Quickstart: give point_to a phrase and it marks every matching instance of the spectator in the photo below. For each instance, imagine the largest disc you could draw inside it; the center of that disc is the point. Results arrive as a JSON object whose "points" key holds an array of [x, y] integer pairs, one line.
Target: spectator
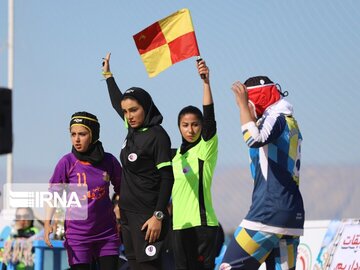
{"points": [[16, 249]]}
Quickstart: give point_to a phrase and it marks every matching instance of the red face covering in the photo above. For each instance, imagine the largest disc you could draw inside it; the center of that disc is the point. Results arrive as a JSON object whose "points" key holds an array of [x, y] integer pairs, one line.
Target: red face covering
{"points": [[262, 96]]}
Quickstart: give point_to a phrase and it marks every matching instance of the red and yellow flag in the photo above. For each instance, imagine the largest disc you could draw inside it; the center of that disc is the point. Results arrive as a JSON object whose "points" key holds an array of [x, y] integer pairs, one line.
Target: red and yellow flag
{"points": [[167, 42]]}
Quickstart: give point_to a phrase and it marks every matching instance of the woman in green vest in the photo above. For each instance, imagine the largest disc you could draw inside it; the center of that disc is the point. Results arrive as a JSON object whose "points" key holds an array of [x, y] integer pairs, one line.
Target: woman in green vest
{"points": [[195, 225]]}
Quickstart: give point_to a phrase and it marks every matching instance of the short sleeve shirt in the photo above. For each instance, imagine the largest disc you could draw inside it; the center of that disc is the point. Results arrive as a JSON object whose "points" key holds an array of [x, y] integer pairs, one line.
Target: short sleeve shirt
{"points": [[70, 170]]}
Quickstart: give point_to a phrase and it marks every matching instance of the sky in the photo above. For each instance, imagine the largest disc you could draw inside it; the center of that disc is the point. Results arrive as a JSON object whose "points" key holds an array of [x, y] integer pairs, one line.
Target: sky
{"points": [[311, 48]]}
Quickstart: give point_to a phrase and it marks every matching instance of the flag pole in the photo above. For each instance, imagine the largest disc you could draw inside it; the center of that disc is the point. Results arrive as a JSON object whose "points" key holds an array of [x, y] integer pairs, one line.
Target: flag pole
{"points": [[9, 167]]}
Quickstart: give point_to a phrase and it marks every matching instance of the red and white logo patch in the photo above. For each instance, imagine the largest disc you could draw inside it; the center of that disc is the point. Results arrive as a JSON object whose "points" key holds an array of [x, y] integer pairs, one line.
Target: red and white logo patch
{"points": [[132, 157], [150, 250]]}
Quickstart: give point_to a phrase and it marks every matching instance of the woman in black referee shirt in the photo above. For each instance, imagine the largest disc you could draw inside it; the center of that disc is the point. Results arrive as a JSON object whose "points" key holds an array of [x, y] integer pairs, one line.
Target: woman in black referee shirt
{"points": [[147, 174]]}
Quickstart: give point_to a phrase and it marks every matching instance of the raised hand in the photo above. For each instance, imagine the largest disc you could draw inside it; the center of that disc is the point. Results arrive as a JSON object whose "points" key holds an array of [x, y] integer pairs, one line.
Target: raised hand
{"points": [[106, 66]]}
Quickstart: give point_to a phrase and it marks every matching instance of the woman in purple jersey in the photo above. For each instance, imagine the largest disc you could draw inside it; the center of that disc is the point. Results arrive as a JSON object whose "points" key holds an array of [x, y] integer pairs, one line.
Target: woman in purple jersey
{"points": [[95, 237]]}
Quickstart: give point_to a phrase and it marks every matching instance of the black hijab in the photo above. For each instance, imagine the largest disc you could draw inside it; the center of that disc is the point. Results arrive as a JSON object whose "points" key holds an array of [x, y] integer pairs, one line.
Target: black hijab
{"points": [[95, 152], [185, 146], [152, 115]]}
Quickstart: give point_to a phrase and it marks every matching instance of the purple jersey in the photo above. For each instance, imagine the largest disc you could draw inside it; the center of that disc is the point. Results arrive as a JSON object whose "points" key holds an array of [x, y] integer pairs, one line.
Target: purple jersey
{"points": [[101, 222]]}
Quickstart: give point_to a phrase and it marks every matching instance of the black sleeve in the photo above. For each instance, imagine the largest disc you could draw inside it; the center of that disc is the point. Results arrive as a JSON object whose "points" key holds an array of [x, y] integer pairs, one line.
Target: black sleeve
{"points": [[173, 152], [167, 181], [115, 95], [209, 123]]}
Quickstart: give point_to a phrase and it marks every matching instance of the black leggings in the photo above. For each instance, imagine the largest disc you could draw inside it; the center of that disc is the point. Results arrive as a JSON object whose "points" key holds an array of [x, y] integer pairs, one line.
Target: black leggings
{"points": [[101, 263], [150, 265]]}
